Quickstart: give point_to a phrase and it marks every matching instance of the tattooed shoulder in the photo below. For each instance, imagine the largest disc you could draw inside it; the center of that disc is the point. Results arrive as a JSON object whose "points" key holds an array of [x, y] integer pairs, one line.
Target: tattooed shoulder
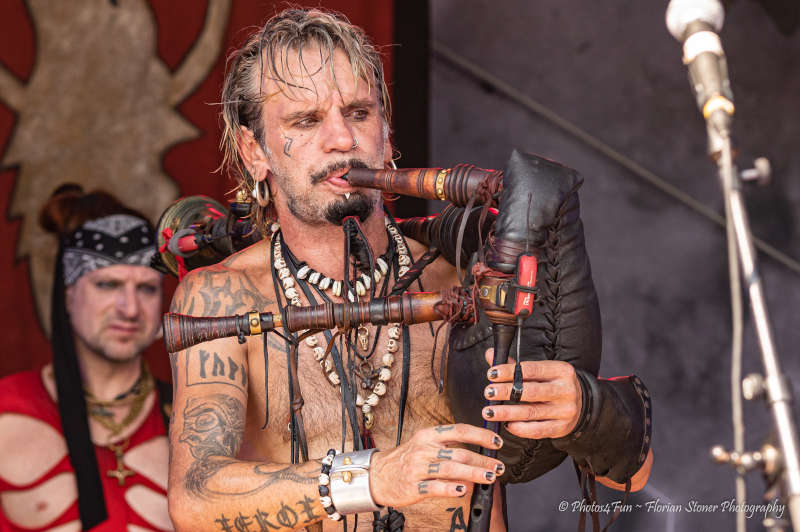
{"points": [[218, 291]]}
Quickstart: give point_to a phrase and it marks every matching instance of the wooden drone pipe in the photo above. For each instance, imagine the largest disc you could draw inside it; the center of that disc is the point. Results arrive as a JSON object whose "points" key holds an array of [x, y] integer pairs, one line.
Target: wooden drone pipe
{"points": [[456, 185], [181, 331]]}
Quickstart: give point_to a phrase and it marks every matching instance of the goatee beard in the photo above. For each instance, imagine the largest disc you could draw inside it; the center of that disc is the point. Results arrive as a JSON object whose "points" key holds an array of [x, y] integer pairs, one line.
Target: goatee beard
{"points": [[358, 204]]}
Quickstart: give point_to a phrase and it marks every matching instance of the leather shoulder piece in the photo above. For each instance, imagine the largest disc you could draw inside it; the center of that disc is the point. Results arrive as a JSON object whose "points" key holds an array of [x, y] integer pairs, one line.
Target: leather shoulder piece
{"points": [[615, 430]]}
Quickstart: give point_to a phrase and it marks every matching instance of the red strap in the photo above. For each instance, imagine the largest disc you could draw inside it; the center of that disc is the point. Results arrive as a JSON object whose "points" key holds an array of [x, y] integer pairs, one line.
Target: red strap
{"points": [[167, 234]]}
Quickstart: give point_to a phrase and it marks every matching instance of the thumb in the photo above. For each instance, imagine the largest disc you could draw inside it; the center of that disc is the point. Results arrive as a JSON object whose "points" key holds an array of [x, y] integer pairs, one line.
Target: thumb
{"points": [[489, 356]]}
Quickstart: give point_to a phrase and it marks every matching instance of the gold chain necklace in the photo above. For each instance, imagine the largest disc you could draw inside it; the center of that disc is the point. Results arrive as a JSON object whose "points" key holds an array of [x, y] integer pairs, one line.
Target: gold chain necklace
{"points": [[136, 396]]}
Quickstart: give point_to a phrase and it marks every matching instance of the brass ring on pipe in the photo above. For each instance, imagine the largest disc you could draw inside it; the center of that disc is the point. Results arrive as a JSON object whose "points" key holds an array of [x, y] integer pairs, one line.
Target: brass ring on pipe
{"points": [[254, 320], [439, 184]]}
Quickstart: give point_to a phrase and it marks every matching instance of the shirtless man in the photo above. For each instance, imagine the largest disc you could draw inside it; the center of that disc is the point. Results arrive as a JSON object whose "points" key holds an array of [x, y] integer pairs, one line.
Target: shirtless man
{"points": [[317, 108], [83, 440]]}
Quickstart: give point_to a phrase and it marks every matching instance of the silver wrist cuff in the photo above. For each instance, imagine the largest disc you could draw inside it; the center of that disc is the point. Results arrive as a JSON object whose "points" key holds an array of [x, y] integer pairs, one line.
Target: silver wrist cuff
{"points": [[349, 486]]}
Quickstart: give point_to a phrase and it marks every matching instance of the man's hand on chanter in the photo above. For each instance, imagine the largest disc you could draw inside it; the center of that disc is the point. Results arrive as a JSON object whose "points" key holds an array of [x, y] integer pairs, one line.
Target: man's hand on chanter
{"points": [[426, 467], [551, 400]]}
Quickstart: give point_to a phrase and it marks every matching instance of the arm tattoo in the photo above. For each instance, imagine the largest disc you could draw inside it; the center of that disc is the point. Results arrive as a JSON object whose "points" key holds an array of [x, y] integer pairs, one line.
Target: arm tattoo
{"points": [[260, 521], [213, 428], [203, 367], [218, 292], [173, 364]]}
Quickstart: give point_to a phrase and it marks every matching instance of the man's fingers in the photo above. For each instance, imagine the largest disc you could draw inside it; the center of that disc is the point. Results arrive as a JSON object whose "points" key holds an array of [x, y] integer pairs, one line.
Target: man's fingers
{"points": [[489, 354], [441, 488], [467, 457], [532, 392], [538, 430], [461, 433], [531, 412], [532, 370], [458, 472]]}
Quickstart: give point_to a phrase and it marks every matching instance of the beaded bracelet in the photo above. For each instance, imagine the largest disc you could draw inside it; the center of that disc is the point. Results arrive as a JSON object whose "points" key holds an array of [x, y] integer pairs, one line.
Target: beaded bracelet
{"points": [[324, 486]]}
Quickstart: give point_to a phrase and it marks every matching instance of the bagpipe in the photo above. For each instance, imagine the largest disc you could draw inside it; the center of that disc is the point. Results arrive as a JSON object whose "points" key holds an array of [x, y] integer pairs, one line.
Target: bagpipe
{"points": [[518, 238]]}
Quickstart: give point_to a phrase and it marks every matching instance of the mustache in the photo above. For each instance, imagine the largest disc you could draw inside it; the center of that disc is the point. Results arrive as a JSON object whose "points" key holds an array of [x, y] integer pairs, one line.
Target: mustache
{"points": [[321, 175]]}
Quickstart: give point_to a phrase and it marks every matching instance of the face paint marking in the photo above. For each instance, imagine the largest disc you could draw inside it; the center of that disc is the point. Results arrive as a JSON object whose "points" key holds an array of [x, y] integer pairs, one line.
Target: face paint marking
{"points": [[287, 146]]}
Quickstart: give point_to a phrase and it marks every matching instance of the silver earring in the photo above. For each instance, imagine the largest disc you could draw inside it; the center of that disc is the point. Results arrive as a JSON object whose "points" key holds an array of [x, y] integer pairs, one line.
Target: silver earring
{"points": [[261, 197], [355, 143]]}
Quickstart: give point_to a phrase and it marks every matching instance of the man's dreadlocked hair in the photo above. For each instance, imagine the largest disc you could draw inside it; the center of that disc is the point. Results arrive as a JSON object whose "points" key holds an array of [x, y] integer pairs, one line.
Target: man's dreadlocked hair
{"points": [[266, 55]]}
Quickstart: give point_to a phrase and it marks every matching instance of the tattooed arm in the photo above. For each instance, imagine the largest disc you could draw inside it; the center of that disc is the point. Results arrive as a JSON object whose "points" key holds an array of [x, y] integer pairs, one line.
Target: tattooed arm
{"points": [[209, 488]]}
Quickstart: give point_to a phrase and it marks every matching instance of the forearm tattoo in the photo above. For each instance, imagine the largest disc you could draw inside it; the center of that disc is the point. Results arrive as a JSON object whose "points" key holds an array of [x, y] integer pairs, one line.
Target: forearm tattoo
{"points": [[260, 521]]}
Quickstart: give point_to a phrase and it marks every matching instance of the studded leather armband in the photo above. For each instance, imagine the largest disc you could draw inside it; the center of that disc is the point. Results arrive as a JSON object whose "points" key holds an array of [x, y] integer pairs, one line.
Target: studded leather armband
{"points": [[615, 429]]}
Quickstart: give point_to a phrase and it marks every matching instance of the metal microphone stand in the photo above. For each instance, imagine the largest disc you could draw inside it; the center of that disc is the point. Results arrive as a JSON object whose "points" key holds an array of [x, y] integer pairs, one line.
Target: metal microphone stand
{"points": [[774, 386]]}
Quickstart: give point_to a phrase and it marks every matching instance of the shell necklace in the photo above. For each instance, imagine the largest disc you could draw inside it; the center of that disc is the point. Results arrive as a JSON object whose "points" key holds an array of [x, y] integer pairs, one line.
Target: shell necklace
{"points": [[375, 386]]}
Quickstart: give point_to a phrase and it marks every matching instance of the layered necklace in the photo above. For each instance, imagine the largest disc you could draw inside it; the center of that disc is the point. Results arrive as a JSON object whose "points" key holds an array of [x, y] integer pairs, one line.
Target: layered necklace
{"points": [[98, 410], [134, 397], [373, 380]]}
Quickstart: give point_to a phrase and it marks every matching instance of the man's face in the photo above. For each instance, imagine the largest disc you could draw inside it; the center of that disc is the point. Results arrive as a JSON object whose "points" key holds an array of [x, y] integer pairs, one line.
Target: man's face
{"points": [[115, 311], [311, 129]]}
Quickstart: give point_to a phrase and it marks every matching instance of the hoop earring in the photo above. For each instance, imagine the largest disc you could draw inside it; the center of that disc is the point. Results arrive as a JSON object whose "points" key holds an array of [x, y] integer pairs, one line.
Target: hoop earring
{"points": [[262, 198]]}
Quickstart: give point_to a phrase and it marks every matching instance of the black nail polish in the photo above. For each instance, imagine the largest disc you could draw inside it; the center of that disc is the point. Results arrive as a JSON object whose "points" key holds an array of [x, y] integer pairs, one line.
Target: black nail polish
{"points": [[492, 373], [488, 412], [489, 476], [499, 468], [461, 489], [490, 392], [498, 441]]}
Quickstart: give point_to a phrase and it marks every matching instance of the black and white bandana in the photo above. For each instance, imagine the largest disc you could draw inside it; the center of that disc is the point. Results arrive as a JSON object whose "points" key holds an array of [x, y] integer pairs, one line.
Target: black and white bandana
{"points": [[103, 242]]}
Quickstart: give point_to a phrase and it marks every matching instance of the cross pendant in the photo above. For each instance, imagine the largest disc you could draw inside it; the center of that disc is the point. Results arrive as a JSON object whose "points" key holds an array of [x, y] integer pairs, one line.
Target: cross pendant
{"points": [[120, 473]]}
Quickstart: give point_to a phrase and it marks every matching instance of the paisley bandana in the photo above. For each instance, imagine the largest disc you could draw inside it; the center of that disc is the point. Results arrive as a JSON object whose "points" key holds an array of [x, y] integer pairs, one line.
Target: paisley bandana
{"points": [[115, 239]]}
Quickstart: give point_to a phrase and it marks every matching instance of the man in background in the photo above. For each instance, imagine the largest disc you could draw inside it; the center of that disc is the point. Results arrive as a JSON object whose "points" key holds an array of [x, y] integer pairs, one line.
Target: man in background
{"points": [[83, 441]]}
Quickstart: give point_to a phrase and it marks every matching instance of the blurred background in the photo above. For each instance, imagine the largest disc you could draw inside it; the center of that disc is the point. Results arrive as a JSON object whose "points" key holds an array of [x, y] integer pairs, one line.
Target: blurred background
{"points": [[123, 94]]}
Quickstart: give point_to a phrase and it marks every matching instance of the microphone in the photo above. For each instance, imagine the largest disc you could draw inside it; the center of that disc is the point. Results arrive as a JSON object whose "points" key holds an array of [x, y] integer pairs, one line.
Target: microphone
{"points": [[695, 23]]}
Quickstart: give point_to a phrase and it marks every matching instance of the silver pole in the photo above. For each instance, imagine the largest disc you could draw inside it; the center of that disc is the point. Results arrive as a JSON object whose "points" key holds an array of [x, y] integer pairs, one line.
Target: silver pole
{"points": [[777, 386]]}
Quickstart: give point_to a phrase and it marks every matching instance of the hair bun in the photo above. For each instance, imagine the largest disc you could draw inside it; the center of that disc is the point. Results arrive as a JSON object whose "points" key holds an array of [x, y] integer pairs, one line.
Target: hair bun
{"points": [[56, 215], [70, 207]]}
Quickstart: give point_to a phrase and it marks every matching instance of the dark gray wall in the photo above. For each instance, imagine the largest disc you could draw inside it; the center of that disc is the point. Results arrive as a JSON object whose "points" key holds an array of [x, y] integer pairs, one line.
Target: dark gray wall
{"points": [[660, 269]]}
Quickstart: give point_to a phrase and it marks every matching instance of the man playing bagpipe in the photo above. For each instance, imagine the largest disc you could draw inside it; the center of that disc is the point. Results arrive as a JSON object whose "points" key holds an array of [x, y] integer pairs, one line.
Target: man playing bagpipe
{"points": [[312, 424]]}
